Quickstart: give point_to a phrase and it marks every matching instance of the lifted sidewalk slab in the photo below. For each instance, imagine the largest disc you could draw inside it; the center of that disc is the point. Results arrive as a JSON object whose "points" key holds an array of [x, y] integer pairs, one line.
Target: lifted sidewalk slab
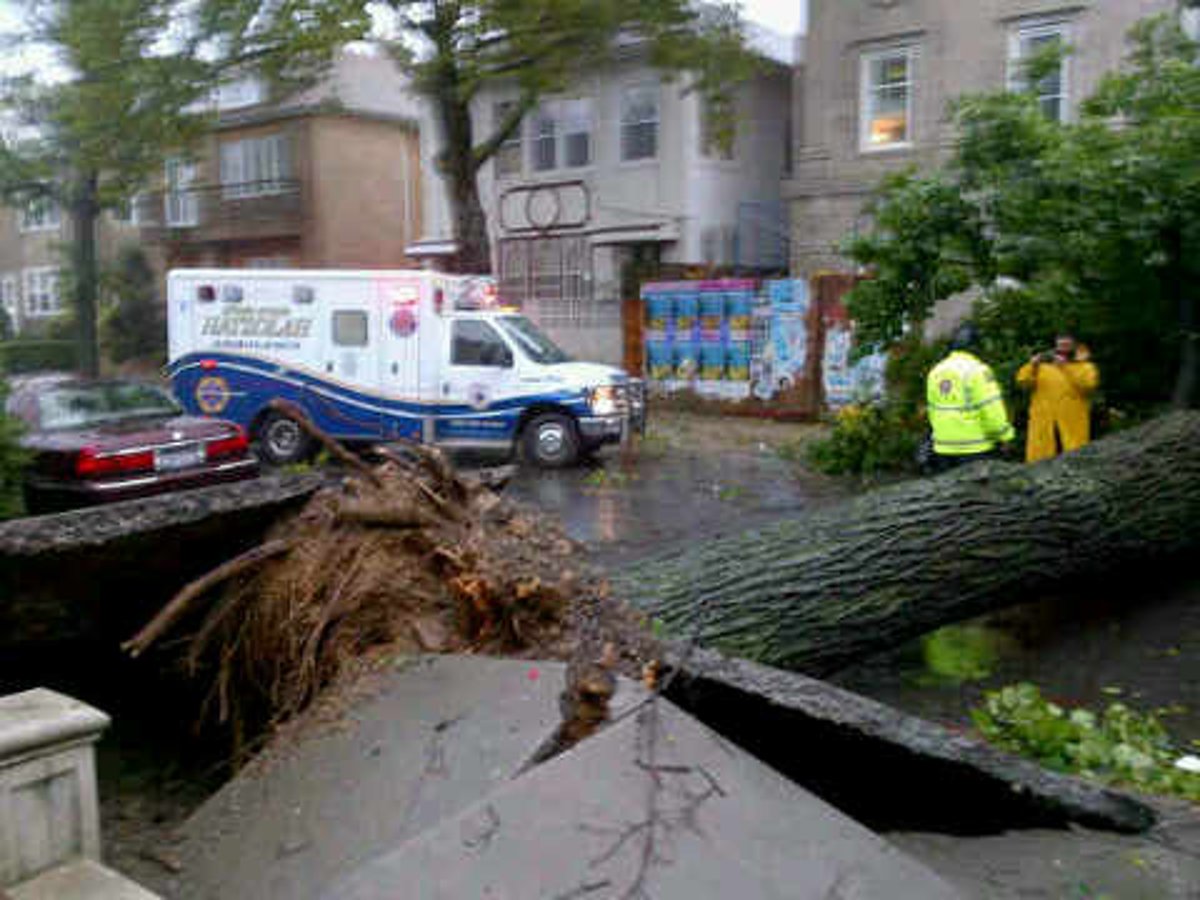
{"points": [[430, 739], [658, 806]]}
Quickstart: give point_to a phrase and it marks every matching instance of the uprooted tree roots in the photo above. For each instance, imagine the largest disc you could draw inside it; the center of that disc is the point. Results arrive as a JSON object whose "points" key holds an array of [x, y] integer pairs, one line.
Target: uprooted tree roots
{"points": [[405, 555]]}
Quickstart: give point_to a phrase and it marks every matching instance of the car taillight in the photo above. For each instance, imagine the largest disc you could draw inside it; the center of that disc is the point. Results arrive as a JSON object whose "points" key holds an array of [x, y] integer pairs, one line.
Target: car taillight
{"points": [[91, 463], [235, 445]]}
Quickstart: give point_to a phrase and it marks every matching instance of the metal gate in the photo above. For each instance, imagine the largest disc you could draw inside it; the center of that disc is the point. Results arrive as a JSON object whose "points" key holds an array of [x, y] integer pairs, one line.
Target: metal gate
{"points": [[549, 277]]}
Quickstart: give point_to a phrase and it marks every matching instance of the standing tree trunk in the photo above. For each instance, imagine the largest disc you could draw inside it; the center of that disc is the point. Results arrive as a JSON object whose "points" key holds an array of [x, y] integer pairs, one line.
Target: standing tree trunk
{"points": [[820, 593], [1187, 382], [85, 210], [457, 160]]}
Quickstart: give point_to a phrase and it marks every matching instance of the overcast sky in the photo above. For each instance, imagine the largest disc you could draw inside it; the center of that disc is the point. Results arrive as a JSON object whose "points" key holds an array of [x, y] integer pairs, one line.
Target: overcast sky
{"points": [[786, 16]]}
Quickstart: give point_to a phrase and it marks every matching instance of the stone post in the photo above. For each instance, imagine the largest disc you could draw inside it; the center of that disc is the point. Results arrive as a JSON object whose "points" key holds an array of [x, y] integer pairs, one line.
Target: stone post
{"points": [[48, 801]]}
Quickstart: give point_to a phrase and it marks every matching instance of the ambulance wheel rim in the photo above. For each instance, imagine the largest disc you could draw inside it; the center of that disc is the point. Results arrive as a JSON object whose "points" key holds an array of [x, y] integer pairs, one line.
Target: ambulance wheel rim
{"points": [[283, 438]]}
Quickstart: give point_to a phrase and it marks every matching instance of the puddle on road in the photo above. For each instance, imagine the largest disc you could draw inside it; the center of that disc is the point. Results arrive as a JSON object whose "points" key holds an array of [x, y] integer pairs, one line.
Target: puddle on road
{"points": [[629, 509], [1132, 642]]}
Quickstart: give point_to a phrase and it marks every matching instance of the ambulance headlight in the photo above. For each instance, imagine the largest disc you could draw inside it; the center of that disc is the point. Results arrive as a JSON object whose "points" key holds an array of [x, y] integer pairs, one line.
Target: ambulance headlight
{"points": [[604, 400]]}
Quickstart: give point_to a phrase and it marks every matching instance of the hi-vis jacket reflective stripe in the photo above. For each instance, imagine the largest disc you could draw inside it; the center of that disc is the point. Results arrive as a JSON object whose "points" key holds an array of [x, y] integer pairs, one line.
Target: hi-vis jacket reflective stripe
{"points": [[966, 409]]}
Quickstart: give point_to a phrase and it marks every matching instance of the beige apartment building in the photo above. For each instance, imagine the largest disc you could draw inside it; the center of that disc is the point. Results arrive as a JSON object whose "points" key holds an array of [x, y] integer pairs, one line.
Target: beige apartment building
{"points": [[878, 75], [34, 242], [329, 178]]}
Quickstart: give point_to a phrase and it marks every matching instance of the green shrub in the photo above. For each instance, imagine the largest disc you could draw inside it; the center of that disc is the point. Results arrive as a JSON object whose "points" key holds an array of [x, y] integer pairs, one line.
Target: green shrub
{"points": [[868, 440], [1121, 746], [22, 355], [12, 461], [133, 326]]}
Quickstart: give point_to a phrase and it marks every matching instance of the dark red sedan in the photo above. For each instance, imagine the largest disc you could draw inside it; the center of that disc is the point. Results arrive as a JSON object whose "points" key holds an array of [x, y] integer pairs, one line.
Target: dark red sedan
{"points": [[96, 441]]}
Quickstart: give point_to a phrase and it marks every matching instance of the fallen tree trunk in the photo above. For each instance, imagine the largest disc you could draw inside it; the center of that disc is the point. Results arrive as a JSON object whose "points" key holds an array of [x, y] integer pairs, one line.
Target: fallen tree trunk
{"points": [[816, 594]]}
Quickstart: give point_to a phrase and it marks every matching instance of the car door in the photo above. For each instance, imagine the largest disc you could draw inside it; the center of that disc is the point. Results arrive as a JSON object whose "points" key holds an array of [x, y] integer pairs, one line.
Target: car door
{"points": [[477, 379], [347, 402]]}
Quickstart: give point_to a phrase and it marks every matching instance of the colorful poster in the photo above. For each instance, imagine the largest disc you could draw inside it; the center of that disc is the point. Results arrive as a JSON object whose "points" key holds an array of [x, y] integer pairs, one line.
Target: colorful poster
{"points": [[712, 313], [836, 366], [738, 361], [687, 314], [687, 360], [659, 359], [712, 361]]}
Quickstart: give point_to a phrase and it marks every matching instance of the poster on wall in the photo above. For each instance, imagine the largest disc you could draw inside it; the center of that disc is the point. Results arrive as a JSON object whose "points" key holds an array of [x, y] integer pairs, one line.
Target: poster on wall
{"points": [[846, 380], [782, 352]]}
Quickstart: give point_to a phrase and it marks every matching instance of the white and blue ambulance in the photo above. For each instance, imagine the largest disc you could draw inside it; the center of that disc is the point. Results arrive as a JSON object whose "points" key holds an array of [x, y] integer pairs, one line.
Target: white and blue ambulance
{"points": [[386, 355]]}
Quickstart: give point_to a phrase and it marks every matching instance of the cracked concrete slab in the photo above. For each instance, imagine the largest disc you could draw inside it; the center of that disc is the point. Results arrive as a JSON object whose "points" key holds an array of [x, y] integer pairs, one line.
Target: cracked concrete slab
{"points": [[434, 736], [656, 805]]}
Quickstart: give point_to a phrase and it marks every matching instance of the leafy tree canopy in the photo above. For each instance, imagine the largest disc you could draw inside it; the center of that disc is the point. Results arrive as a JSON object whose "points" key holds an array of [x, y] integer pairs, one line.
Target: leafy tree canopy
{"points": [[1089, 226]]}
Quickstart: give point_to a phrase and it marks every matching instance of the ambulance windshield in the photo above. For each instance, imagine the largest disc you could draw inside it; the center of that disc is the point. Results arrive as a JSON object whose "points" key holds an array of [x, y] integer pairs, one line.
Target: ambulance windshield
{"points": [[532, 342]]}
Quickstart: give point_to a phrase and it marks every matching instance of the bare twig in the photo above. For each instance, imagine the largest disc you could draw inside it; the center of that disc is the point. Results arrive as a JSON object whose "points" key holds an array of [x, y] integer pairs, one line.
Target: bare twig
{"points": [[336, 450], [179, 604]]}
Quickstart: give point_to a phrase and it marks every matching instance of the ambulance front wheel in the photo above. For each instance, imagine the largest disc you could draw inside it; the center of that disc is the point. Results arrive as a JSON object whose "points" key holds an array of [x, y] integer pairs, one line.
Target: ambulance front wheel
{"points": [[551, 441], [281, 441]]}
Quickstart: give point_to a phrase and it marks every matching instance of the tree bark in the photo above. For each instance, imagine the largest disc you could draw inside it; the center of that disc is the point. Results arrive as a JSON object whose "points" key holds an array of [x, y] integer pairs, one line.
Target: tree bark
{"points": [[458, 160], [85, 211], [1187, 381], [814, 595]]}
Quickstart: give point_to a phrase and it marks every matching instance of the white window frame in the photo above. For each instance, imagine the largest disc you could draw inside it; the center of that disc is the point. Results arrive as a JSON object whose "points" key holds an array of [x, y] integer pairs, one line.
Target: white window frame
{"points": [[1189, 21], [1031, 29], [255, 166], [10, 299], [543, 139], [568, 117], [655, 89], [128, 213], [566, 130], [515, 141], [41, 292], [48, 218], [867, 91], [180, 206]]}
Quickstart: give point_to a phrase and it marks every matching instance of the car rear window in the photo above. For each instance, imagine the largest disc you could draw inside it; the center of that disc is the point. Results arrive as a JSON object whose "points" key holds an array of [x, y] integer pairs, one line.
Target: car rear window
{"points": [[77, 406]]}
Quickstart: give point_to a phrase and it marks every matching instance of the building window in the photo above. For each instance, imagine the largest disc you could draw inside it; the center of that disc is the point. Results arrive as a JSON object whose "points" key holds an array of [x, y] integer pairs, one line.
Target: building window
{"points": [[10, 296], [639, 122], [545, 140], [255, 167], [562, 135], [126, 212], [717, 128], [179, 201], [1026, 42], [508, 156], [41, 213], [350, 328], [41, 292], [886, 101], [576, 118]]}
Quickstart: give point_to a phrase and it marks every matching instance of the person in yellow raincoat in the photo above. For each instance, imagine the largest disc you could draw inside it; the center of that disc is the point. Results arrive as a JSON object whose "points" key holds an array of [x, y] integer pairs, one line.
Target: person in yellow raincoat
{"points": [[1062, 382]]}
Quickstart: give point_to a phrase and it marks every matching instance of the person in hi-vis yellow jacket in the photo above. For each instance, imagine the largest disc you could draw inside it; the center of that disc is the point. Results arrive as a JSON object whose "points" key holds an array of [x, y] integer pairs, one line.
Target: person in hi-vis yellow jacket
{"points": [[1062, 382]]}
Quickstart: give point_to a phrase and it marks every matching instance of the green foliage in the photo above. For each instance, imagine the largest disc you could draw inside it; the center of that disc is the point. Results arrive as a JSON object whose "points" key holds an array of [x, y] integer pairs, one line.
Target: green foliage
{"points": [[1080, 226], [131, 75], [961, 653], [12, 461], [882, 437], [24, 355], [133, 327], [868, 440], [1121, 746]]}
